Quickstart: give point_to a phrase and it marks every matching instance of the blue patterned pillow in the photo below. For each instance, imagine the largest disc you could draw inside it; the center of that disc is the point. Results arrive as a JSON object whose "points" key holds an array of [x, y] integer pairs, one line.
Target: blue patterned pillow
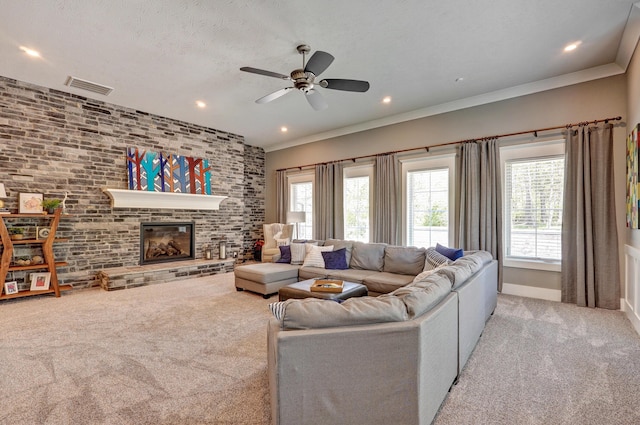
{"points": [[285, 254], [335, 260], [452, 253]]}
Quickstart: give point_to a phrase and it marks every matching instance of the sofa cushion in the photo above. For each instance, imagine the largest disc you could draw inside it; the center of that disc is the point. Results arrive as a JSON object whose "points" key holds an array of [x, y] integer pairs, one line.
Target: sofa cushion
{"points": [[383, 282], [312, 273], [367, 256], [419, 300], [451, 253], [336, 260], [314, 256], [350, 275], [404, 260], [285, 254], [312, 313], [339, 244], [434, 259]]}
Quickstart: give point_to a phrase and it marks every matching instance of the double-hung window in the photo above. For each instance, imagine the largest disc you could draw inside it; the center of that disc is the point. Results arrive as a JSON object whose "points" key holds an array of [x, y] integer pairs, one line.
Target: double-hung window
{"points": [[301, 199], [533, 201], [428, 205], [357, 202]]}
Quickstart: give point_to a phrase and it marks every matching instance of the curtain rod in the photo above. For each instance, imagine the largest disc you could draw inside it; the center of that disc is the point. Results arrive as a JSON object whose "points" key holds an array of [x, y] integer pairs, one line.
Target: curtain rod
{"points": [[518, 133]]}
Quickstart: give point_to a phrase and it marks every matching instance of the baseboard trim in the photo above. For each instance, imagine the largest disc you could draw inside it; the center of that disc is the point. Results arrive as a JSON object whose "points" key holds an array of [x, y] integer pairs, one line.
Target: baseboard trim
{"points": [[531, 292], [633, 318]]}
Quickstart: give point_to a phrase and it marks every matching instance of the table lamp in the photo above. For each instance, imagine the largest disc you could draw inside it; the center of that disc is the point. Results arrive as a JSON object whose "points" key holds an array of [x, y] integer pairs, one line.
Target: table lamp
{"points": [[296, 217]]}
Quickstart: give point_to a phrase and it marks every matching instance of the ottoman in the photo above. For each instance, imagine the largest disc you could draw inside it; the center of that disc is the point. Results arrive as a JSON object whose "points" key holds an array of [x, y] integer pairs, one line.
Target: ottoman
{"points": [[303, 290], [265, 278]]}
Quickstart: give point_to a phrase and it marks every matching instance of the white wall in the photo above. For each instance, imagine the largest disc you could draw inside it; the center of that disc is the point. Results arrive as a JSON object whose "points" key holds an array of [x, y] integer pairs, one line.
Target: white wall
{"points": [[587, 101]]}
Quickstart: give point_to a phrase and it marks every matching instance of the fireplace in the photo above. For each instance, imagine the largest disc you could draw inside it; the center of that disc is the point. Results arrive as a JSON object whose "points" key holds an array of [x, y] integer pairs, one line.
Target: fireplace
{"points": [[160, 242]]}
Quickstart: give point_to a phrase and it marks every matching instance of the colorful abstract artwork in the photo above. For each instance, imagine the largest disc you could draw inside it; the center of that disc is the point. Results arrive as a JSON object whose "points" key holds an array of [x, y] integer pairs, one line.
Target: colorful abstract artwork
{"points": [[632, 179], [159, 172]]}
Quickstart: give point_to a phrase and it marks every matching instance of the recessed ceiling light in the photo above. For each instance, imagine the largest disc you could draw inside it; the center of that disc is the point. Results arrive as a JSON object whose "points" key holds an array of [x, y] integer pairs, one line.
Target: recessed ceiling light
{"points": [[201, 104], [284, 129], [30, 52], [571, 47], [386, 99], [459, 79]]}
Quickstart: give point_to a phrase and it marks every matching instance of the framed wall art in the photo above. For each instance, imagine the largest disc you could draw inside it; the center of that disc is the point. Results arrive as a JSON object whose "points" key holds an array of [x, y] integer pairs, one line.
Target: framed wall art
{"points": [[30, 203]]}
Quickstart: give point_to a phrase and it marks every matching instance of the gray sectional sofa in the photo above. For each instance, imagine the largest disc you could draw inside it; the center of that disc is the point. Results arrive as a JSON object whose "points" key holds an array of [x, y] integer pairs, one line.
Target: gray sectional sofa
{"points": [[382, 359]]}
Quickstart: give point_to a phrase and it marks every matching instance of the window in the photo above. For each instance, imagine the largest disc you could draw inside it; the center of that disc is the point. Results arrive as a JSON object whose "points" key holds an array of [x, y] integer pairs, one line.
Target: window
{"points": [[534, 182], [428, 206], [301, 199], [357, 203]]}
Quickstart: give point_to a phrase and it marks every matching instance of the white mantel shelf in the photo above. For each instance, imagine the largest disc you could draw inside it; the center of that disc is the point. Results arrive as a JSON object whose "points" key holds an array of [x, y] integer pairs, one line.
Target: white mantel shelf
{"points": [[121, 198]]}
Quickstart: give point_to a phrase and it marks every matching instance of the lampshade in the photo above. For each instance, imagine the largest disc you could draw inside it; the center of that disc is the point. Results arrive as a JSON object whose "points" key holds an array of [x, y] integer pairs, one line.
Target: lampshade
{"points": [[296, 217], [3, 193]]}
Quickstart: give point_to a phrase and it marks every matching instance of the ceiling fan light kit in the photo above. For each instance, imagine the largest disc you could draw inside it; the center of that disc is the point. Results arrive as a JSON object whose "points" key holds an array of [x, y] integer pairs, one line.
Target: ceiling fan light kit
{"points": [[304, 79]]}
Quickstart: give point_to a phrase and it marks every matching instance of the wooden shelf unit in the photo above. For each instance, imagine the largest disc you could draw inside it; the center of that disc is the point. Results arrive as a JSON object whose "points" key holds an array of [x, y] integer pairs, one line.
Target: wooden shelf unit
{"points": [[49, 264]]}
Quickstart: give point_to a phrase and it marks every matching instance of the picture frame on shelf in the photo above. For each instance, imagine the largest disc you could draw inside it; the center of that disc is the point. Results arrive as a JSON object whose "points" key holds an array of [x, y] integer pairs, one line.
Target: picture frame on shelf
{"points": [[11, 287], [40, 281], [30, 203]]}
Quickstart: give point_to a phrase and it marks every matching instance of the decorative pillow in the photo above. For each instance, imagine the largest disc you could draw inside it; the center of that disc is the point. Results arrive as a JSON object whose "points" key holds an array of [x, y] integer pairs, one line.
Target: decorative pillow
{"points": [[298, 253], [367, 256], [335, 260], [407, 260], [280, 242], [277, 309], [434, 259], [314, 256], [451, 253], [285, 254]]}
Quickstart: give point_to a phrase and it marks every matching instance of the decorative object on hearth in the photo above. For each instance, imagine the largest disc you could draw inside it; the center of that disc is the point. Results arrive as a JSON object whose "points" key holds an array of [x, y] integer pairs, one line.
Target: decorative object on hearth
{"points": [[296, 217], [159, 172], [40, 281], [207, 252], [223, 249], [303, 79], [30, 203], [633, 198]]}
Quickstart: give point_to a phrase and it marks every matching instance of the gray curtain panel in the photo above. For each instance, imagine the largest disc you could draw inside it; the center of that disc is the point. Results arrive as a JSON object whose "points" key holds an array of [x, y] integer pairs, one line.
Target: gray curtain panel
{"points": [[480, 213], [327, 202], [387, 195], [282, 196], [590, 269]]}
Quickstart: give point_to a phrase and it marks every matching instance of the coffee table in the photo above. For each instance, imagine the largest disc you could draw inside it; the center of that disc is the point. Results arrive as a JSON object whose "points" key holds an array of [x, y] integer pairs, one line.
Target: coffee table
{"points": [[302, 289]]}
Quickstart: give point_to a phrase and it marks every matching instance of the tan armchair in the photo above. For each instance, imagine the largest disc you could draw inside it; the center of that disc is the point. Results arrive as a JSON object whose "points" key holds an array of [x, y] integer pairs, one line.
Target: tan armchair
{"points": [[275, 234]]}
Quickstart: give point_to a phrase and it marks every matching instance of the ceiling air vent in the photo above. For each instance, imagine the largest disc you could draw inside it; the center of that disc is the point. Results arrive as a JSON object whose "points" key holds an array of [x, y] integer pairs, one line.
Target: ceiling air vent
{"points": [[88, 85]]}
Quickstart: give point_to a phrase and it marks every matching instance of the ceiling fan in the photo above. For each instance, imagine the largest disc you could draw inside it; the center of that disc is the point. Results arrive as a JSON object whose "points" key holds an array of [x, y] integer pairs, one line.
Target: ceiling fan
{"points": [[304, 79]]}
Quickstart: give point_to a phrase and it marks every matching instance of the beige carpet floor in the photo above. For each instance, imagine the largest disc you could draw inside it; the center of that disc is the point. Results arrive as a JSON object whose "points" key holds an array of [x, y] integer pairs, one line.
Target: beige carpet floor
{"points": [[194, 352]]}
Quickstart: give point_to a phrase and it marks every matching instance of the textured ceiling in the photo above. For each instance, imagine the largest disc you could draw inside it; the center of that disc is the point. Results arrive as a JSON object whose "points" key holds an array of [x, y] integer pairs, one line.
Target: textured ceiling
{"points": [[160, 56]]}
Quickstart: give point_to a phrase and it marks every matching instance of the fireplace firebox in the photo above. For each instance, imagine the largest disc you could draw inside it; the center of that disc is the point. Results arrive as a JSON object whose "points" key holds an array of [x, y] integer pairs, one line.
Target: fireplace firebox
{"points": [[160, 242]]}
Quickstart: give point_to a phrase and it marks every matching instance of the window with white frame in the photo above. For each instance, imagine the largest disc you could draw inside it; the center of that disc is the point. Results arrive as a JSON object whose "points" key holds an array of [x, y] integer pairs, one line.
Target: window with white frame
{"points": [[357, 202], [301, 199], [429, 202], [533, 201]]}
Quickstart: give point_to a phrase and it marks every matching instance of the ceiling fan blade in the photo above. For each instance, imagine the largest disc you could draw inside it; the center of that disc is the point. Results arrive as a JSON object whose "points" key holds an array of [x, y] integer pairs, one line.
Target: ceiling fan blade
{"points": [[263, 72], [346, 85], [272, 96], [316, 100], [318, 62]]}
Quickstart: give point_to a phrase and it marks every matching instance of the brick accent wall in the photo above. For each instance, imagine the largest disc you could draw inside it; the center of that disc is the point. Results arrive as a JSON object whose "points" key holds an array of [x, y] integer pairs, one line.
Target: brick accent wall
{"points": [[54, 142]]}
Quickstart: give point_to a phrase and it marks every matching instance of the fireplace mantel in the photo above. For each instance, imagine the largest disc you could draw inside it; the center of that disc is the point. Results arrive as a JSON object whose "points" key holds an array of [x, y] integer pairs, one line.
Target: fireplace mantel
{"points": [[121, 198]]}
